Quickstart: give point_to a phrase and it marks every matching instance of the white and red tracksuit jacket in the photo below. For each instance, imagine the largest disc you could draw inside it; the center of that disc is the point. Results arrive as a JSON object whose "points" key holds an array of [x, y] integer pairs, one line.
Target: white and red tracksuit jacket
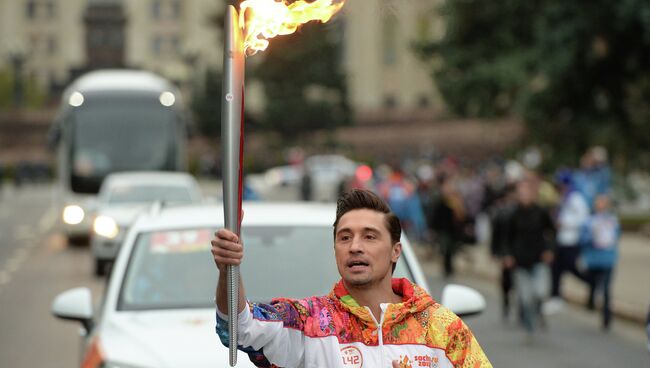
{"points": [[335, 332]]}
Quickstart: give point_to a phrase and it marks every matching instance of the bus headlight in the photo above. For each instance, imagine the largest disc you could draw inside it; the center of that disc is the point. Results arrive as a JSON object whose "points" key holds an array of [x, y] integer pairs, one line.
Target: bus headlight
{"points": [[73, 214], [76, 99], [106, 227], [167, 98]]}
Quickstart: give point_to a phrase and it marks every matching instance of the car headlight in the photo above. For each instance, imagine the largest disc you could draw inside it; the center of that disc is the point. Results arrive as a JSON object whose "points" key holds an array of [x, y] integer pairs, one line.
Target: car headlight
{"points": [[106, 227], [73, 214]]}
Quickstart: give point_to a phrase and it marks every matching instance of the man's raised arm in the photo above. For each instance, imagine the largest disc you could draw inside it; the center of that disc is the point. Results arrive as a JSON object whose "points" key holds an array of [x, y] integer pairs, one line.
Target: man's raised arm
{"points": [[227, 250]]}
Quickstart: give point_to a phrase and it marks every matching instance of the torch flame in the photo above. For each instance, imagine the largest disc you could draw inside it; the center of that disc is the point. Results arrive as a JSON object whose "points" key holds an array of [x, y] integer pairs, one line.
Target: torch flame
{"points": [[265, 19]]}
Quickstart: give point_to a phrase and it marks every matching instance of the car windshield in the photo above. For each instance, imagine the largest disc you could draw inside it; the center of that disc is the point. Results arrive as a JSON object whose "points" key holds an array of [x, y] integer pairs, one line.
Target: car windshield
{"points": [[149, 193], [174, 269]]}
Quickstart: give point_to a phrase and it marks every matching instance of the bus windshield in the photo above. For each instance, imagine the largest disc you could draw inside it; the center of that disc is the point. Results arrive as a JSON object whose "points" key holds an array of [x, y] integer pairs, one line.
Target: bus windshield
{"points": [[110, 135]]}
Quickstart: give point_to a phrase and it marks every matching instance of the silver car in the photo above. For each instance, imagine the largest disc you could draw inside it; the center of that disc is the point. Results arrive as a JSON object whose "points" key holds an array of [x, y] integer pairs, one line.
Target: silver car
{"points": [[123, 195], [159, 311]]}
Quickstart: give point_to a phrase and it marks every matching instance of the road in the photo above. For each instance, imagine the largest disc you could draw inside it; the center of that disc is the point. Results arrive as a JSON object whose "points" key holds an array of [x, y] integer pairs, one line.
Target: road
{"points": [[573, 337], [36, 264]]}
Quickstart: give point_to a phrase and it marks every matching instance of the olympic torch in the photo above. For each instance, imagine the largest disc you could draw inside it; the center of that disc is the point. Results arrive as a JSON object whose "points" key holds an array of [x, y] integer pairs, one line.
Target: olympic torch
{"points": [[232, 135], [246, 33]]}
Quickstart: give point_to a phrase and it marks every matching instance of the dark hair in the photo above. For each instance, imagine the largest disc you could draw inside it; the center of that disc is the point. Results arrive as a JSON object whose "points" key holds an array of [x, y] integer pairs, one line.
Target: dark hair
{"points": [[357, 199]]}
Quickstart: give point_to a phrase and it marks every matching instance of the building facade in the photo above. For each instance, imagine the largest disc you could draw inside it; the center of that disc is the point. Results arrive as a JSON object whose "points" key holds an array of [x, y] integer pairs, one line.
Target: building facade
{"points": [[58, 39], [386, 80], [47, 37], [179, 39]]}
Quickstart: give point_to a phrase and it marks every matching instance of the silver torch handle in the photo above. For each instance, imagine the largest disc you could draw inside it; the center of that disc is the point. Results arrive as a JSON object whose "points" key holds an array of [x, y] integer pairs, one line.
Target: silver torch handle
{"points": [[232, 144]]}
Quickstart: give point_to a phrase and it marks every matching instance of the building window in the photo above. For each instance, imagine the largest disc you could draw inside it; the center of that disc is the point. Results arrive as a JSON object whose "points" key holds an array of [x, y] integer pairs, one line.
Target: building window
{"points": [[30, 9], [96, 38], [390, 102], [175, 43], [115, 38], [390, 39], [176, 9], [34, 43], [51, 45], [157, 45], [156, 9], [423, 101], [51, 9]]}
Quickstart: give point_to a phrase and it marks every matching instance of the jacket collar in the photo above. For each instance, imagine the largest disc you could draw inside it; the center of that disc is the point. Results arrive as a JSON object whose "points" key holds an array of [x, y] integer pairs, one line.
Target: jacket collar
{"points": [[414, 299]]}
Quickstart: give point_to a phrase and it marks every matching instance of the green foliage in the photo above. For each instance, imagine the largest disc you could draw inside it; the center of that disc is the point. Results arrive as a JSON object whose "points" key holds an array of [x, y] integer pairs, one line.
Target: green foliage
{"points": [[33, 94], [5, 89], [575, 71], [303, 84], [206, 104]]}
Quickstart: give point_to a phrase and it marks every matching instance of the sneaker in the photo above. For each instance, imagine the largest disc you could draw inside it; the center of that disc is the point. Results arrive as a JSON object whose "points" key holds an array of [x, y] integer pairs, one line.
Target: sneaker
{"points": [[552, 306]]}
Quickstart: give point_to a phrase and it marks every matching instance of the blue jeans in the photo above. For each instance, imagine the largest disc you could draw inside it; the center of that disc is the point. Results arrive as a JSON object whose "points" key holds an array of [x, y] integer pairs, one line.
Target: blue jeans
{"points": [[600, 280], [532, 286]]}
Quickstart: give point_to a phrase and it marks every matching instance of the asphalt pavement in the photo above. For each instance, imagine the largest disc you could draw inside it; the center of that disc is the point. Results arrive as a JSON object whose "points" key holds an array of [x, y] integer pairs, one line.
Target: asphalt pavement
{"points": [[630, 293], [36, 264], [572, 338]]}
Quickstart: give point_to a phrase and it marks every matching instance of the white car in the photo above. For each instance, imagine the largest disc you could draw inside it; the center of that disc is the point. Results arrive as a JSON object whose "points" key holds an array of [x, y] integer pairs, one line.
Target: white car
{"points": [[159, 311], [123, 195]]}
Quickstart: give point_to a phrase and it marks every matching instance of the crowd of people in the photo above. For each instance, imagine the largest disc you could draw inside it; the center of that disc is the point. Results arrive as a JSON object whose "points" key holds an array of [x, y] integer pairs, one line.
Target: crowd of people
{"points": [[540, 227]]}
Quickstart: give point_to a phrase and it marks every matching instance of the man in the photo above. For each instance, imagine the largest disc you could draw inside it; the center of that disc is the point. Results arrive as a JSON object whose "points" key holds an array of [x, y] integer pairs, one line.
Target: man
{"points": [[602, 234], [572, 216], [529, 252], [502, 209], [369, 319], [447, 217]]}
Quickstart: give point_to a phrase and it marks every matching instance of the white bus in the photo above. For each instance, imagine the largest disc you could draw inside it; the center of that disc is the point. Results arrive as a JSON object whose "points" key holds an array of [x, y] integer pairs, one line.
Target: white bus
{"points": [[110, 121]]}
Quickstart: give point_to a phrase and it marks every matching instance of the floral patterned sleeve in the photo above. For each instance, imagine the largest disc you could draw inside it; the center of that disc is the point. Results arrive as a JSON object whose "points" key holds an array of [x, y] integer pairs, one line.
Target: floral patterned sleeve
{"points": [[462, 348]]}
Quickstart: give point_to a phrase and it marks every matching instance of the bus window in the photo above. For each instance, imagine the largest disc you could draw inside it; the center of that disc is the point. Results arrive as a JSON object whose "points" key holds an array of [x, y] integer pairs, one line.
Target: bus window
{"points": [[116, 134]]}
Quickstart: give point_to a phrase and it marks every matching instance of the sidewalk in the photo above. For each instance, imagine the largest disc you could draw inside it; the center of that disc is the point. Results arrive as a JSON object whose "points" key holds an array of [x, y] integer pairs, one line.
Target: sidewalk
{"points": [[630, 288]]}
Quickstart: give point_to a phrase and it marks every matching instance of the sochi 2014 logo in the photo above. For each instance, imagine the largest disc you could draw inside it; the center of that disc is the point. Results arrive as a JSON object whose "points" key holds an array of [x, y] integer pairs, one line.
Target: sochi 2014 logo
{"points": [[352, 357], [405, 362], [418, 361]]}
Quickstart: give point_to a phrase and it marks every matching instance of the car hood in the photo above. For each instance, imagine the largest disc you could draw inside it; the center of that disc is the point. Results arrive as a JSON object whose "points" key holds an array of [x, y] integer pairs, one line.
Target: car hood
{"points": [[123, 214], [185, 338]]}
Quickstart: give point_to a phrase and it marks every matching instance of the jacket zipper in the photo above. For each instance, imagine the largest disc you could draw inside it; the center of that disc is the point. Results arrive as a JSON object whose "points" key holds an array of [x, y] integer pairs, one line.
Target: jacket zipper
{"points": [[380, 335]]}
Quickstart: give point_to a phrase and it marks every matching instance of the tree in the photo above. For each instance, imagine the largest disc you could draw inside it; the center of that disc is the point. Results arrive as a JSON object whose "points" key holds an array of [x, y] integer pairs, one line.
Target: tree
{"points": [[206, 104], [304, 87], [576, 72], [303, 82]]}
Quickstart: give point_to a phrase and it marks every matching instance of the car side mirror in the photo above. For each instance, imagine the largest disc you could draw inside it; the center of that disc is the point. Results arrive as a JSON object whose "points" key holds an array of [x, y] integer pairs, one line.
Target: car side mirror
{"points": [[462, 300], [76, 305]]}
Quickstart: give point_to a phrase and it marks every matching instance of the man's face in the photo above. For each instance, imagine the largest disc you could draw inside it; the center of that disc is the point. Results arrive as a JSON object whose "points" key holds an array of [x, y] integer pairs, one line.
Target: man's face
{"points": [[526, 193], [363, 248]]}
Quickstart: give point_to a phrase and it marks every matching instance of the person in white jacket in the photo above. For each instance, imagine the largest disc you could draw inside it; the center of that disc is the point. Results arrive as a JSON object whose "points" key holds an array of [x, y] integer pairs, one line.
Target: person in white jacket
{"points": [[369, 319], [573, 214]]}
